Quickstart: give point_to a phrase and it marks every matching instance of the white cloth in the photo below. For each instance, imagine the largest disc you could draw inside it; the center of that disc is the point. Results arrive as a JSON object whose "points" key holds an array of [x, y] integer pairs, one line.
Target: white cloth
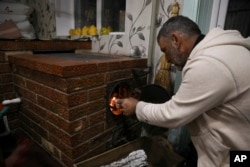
{"points": [[15, 8], [213, 98], [14, 18], [26, 29], [20, 15], [136, 158]]}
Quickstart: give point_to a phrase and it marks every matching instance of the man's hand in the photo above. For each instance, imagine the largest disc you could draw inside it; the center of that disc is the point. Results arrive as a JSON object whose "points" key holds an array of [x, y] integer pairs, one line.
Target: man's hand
{"points": [[127, 105]]}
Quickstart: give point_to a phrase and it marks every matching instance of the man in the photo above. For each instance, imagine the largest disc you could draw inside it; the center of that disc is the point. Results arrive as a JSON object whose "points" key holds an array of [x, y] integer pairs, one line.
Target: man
{"points": [[213, 99]]}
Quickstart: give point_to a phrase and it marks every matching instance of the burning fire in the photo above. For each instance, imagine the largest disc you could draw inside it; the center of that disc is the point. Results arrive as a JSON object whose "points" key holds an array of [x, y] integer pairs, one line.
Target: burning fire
{"points": [[120, 91], [114, 108]]}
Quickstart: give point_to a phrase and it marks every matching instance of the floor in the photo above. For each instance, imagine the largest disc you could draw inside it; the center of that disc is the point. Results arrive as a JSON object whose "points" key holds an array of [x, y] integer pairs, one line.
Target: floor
{"points": [[19, 151]]}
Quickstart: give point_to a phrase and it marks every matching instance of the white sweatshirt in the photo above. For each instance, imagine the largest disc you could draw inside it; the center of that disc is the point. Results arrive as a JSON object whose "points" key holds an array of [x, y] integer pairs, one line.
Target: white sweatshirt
{"points": [[213, 98]]}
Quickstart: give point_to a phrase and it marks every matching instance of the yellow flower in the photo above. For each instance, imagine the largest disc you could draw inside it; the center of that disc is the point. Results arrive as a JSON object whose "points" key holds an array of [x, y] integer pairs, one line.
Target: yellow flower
{"points": [[104, 31], [78, 31], [92, 30], [85, 30], [71, 31]]}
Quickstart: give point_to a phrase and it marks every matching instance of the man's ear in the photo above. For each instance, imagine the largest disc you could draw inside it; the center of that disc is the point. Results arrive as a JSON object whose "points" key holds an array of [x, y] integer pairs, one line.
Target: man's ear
{"points": [[175, 40]]}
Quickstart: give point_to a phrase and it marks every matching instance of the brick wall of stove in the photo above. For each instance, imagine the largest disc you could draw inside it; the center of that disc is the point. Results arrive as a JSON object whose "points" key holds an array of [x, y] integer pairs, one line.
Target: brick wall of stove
{"points": [[67, 115], [7, 90]]}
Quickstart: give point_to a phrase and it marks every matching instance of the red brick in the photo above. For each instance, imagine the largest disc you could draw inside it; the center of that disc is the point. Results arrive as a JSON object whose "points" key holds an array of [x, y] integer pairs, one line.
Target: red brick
{"points": [[76, 70], [61, 84], [78, 125], [97, 117], [86, 109], [113, 66], [21, 61], [88, 81], [96, 93], [118, 75], [101, 138], [9, 95], [81, 150], [41, 45], [40, 130], [62, 135], [25, 127], [57, 154], [27, 94], [139, 63], [95, 151], [43, 78], [66, 160], [87, 134], [77, 112], [52, 94], [23, 71], [2, 57], [102, 67], [34, 117], [20, 81], [70, 127], [52, 106], [29, 105], [6, 88], [6, 78], [47, 68], [78, 98], [14, 124], [4, 68], [59, 143]]}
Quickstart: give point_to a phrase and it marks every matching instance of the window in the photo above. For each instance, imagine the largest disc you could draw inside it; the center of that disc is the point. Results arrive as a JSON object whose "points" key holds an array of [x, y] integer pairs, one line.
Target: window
{"points": [[113, 14], [85, 13], [101, 13]]}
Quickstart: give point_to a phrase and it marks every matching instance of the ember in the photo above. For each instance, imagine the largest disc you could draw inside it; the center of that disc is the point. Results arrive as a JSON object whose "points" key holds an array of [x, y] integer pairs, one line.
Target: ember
{"points": [[122, 90], [114, 108]]}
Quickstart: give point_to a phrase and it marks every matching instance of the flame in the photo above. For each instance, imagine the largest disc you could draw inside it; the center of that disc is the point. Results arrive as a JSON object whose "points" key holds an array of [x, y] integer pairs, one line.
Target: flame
{"points": [[112, 101], [113, 106]]}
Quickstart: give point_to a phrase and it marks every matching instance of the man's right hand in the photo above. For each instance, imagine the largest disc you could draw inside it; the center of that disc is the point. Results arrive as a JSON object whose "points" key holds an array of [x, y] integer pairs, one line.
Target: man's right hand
{"points": [[127, 105]]}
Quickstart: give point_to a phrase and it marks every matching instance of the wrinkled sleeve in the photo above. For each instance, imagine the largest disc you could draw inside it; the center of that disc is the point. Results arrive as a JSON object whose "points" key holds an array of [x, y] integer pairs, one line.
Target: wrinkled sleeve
{"points": [[206, 84]]}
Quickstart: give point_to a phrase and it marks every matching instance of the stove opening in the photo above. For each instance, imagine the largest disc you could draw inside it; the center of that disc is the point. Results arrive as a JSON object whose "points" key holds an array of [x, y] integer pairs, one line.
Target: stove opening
{"points": [[120, 91], [126, 128]]}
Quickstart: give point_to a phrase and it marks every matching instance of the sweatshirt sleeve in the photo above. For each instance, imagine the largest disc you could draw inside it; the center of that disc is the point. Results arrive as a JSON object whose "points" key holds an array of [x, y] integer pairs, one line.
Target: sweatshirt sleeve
{"points": [[206, 84]]}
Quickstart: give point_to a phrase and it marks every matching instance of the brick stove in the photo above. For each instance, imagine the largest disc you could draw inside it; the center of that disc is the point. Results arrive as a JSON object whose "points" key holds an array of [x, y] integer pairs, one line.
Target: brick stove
{"points": [[64, 100]]}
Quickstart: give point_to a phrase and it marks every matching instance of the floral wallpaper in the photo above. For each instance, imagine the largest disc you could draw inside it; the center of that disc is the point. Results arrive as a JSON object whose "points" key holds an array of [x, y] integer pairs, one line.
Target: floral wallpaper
{"points": [[166, 10], [135, 41]]}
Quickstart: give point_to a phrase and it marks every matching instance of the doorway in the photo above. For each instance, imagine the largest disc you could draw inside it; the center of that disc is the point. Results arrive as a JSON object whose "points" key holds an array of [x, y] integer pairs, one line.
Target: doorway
{"points": [[237, 16], [227, 14]]}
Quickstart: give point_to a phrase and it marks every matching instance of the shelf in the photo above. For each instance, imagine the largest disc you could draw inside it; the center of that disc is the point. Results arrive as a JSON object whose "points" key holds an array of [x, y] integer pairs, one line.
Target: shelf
{"points": [[39, 45]]}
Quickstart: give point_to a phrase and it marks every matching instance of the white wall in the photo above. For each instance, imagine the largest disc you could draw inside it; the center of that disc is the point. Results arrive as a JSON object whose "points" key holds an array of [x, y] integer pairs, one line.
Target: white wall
{"points": [[64, 12]]}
